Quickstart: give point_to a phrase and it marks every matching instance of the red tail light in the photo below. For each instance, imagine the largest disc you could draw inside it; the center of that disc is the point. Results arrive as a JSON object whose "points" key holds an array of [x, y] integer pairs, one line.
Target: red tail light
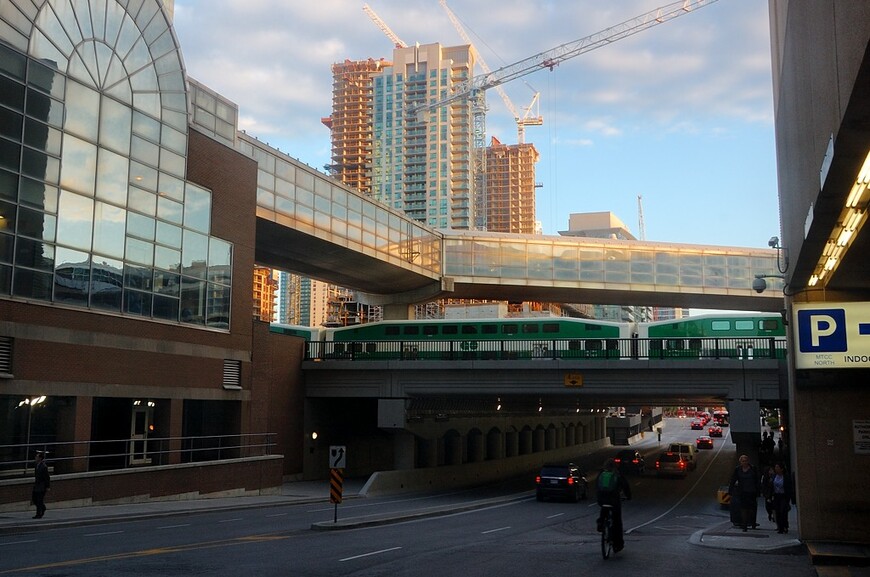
{"points": [[570, 480], [635, 461], [538, 480], [617, 460]]}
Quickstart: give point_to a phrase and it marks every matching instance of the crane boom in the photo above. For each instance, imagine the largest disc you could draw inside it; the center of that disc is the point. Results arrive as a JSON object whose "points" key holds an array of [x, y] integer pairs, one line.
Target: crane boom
{"points": [[384, 28], [522, 121], [555, 56]]}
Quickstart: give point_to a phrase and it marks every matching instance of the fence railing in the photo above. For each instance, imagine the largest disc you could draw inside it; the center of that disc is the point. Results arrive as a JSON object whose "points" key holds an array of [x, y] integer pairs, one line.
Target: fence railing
{"points": [[740, 348], [104, 455]]}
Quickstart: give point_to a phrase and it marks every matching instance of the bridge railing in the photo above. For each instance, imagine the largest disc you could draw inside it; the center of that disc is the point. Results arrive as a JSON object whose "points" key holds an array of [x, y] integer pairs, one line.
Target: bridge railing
{"points": [[738, 348]]}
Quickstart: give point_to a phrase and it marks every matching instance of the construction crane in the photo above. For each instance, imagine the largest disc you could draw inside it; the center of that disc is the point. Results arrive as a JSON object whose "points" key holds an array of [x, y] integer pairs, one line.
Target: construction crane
{"points": [[641, 230], [471, 89], [384, 28], [522, 121]]}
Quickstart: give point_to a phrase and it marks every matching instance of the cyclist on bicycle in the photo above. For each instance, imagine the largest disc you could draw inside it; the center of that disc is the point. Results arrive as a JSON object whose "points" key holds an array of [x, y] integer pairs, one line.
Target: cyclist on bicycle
{"points": [[609, 486]]}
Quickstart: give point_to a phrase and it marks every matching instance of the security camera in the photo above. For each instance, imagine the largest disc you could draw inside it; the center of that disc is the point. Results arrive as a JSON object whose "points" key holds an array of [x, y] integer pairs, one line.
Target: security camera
{"points": [[773, 242], [759, 285]]}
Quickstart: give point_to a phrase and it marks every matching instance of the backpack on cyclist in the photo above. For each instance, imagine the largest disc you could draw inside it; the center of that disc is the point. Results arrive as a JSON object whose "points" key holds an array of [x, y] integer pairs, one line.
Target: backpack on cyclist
{"points": [[607, 481], [607, 486]]}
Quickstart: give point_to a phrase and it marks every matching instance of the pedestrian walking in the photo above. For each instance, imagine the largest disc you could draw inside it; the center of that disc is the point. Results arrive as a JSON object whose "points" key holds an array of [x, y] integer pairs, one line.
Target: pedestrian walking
{"points": [[782, 496], [745, 483], [41, 484]]}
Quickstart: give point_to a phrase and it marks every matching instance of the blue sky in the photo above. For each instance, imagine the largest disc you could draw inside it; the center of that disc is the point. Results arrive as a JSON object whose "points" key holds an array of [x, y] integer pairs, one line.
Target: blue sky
{"points": [[681, 113]]}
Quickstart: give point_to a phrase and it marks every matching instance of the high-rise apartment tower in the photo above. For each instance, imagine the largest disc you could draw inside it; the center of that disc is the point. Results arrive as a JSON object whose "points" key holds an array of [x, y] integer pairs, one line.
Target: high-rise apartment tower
{"points": [[422, 163]]}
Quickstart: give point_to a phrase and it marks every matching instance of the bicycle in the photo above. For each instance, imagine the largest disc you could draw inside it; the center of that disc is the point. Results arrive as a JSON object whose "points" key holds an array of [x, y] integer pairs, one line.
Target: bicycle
{"points": [[606, 530]]}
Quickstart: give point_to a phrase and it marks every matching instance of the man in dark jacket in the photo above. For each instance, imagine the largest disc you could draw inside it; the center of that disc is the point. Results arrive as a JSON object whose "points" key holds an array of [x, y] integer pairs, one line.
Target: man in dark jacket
{"points": [[41, 484], [609, 488], [746, 485]]}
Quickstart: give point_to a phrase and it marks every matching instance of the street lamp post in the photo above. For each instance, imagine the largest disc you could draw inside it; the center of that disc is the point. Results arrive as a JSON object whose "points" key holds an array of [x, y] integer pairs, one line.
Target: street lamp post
{"points": [[30, 403]]}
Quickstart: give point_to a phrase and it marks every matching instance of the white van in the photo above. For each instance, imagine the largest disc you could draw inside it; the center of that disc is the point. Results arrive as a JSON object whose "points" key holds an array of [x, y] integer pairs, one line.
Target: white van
{"points": [[688, 452]]}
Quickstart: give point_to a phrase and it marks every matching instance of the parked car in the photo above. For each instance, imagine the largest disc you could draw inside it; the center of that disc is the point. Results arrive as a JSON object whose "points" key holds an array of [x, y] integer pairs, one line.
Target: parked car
{"points": [[687, 450], [715, 431], [671, 464], [704, 442], [630, 461], [561, 480]]}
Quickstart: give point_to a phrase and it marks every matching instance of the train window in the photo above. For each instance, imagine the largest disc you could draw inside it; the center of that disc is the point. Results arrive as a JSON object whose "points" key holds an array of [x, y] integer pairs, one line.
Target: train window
{"points": [[612, 344], [391, 331], [720, 325], [768, 324], [489, 329], [371, 348], [550, 327], [591, 327], [411, 330], [744, 325], [574, 345], [530, 328], [510, 329], [449, 330], [469, 330], [593, 345], [430, 330]]}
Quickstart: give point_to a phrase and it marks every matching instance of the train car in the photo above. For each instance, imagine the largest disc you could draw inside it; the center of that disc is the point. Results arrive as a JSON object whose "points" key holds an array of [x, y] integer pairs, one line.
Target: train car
{"points": [[497, 338], [734, 335], [307, 333]]}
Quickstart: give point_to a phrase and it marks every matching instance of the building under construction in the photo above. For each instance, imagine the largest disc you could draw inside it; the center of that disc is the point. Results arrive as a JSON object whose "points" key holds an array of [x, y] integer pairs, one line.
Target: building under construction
{"points": [[510, 187], [351, 122]]}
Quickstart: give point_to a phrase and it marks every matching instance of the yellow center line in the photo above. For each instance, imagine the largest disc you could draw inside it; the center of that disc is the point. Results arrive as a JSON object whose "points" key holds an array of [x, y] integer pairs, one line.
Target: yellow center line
{"points": [[150, 552]]}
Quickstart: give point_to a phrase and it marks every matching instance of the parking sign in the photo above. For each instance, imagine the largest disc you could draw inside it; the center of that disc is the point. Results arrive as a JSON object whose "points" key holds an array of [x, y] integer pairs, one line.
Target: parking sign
{"points": [[832, 335]]}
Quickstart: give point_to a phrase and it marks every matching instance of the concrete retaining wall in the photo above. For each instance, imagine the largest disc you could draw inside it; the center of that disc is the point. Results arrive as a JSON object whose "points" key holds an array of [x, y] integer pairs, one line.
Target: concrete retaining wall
{"points": [[471, 474], [232, 477]]}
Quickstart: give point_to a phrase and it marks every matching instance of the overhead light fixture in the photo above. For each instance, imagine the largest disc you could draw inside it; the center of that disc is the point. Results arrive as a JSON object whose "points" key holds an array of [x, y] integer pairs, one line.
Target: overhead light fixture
{"points": [[852, 219]]}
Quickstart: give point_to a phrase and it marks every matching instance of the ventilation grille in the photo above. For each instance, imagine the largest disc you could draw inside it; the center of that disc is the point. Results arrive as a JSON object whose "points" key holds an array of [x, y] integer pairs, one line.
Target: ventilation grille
{"points": [[6, 355], [232, 374]]}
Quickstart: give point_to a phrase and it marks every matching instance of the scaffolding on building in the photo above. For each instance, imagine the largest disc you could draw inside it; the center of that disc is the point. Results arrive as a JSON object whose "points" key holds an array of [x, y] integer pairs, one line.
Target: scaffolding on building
{"points": [[350, 122]]}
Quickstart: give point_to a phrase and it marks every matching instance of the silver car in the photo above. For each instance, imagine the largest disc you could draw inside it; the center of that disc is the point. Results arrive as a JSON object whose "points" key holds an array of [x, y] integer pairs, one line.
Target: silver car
{"points": [[670, 464]]}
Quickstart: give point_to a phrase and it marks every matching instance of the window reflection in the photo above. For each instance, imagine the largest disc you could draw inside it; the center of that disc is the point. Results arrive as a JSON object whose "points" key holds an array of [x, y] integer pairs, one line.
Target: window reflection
{"points": [[105, 240], [72, 277], [106, 284], [75, 220]]}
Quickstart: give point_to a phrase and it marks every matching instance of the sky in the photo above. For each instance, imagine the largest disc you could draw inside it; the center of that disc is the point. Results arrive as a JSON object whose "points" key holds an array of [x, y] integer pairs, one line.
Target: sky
{"points": [[680, 114]]}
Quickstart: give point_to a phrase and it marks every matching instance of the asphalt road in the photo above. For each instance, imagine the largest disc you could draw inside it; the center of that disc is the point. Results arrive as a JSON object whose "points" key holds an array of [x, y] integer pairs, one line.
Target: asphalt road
{"points": [[519, 536]]}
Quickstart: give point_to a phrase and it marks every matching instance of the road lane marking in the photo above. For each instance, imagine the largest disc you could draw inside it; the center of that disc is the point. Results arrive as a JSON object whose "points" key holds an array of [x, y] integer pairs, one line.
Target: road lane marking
{"points": [[147, 553], [18, 542], [230, 520], [685, 496], [369, 554], [103, 533], [556, 515], [495, 530], [277, 515], [174, 526]]}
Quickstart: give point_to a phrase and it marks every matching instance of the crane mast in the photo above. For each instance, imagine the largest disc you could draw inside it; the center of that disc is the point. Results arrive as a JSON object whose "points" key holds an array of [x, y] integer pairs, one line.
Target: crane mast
{"points": [[555, 56]]}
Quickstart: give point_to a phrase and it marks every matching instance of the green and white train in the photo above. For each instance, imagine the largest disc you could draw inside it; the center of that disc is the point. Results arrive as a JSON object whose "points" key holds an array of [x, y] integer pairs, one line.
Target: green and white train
{"points": [[736, 335]]}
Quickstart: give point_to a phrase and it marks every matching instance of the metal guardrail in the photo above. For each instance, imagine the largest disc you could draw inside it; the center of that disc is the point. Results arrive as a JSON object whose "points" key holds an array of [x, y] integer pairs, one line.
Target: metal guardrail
{"points": [[746, 349], [113, 454]]}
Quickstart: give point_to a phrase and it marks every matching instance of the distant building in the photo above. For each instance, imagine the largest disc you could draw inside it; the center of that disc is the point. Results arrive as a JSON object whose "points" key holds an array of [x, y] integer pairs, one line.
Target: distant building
{"points": [[510, 187]]}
